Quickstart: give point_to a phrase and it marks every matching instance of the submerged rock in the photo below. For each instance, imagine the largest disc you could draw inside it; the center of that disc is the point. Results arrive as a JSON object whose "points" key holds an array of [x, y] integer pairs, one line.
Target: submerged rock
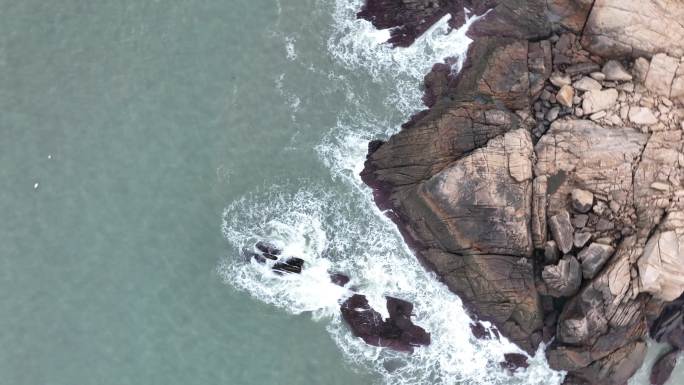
{"points": [[290, 265], [514, 361], [396, 332], [339, 279]]}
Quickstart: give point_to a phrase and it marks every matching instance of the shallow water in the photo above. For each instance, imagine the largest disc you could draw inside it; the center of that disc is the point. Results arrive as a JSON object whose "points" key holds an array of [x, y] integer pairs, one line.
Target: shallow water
{"points": [[144, 143]]}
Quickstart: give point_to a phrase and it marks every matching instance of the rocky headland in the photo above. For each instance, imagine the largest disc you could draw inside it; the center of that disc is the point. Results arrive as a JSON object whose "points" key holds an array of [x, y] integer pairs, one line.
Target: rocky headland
{"points": [[544, 183]]}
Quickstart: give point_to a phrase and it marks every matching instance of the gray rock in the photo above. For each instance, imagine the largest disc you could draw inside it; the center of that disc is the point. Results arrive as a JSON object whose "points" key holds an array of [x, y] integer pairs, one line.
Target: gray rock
{"points": [[580, 220], [593, 257], [560, 79], [582, 200], [552, 114], [615, 71], [551, 252], [581, 239], [562, 231], [595, 100], [587, 84], [563, 279]]}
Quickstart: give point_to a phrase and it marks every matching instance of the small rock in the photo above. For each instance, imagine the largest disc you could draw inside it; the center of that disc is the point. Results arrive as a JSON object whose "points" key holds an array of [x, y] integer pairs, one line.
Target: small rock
{"points": [[598, 116], [604, 225], [563, 279], [562, 231], [660, 186], [479, 330], [291, 265], [267, 248], [582, 200], [339, 279], [514, 361], [565, 95], [582, 68], [559, 80], [581, 239], [599, 76], [615, 71], [579, 112], [595, 101], [641, 69], [580, 220], [551, 252], [593, 257], [642, 116], [552, 114], [587, 84]]}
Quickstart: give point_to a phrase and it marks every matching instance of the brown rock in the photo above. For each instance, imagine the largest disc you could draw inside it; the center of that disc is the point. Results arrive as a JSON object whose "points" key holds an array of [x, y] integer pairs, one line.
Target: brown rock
{"points": [[565, 95], [563, 279], [618, 28], [562, 231]]}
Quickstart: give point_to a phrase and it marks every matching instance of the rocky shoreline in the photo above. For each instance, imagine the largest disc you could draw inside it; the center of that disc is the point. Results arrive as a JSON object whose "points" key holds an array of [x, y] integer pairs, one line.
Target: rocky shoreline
{"points": [[544, 182]]}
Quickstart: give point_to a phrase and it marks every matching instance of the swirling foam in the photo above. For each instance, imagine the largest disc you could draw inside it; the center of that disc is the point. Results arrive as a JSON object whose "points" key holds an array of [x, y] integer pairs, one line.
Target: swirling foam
{"points": [[340, 229]]}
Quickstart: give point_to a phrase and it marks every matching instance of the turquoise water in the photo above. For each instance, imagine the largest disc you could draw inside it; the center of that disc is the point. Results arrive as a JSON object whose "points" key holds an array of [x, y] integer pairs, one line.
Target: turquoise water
{"points": [[144, 143]]}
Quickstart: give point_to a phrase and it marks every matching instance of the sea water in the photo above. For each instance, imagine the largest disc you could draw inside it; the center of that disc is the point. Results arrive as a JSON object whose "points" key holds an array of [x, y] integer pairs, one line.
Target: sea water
{"points": [[144, 143]]}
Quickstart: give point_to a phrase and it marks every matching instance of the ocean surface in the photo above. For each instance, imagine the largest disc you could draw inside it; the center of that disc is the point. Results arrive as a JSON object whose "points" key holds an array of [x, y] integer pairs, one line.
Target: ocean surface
{"points": [[145, 143]]}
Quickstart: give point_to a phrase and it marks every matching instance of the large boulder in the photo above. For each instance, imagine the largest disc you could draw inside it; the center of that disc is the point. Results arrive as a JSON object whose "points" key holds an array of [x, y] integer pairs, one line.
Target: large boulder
{"points": [[619, 28], [661, 267]]}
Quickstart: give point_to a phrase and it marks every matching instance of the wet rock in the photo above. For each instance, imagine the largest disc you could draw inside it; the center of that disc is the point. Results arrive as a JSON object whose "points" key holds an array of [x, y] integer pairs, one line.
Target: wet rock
{"points": [[409, 19], [663, 368], [615, 71], [562, 231], [514, 361], [479, 331], [339, 279], [582, 200], [595, 100], [290, 265], [563, 279], [565, 95], [267, 248], [396, 332], [593, 258]]}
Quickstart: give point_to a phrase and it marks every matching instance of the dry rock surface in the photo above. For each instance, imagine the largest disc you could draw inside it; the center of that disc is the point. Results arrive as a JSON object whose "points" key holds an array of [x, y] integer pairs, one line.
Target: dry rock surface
{"points": [[544, 182]]}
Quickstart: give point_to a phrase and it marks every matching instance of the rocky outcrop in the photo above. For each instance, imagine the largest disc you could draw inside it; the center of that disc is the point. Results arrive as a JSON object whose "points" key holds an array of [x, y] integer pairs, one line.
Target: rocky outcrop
{"points": [[410, 18], [618, 28], [543, 185], [396, 332]]}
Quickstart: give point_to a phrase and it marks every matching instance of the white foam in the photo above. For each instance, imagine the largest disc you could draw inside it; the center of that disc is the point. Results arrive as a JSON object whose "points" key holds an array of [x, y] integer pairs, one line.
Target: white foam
{"points": [[340, 229]]}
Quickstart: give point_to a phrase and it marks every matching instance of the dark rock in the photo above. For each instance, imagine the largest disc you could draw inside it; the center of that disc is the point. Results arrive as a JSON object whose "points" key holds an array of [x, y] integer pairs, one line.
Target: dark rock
{"points": [[268, 248], [291, 265], [339, 279], [669, 325], [479, 331], [663, 367], [514, 361], [410, 18], [397, 332]]}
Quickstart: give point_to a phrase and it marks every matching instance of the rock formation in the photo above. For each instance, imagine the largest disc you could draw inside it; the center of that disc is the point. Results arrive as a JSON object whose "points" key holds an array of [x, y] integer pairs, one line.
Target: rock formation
{"points": [[544, 184], [396, 332]]}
